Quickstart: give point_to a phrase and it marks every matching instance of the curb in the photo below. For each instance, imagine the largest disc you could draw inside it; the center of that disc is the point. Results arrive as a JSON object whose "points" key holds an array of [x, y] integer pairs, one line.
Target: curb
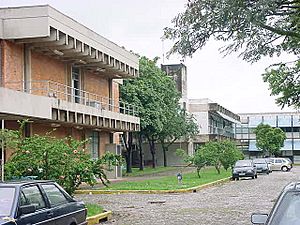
{"points": [[92, 220], [186, 190]]}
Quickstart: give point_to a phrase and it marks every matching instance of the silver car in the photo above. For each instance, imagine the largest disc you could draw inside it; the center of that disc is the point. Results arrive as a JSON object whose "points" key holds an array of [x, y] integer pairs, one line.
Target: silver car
{"points": [[282, 164]]}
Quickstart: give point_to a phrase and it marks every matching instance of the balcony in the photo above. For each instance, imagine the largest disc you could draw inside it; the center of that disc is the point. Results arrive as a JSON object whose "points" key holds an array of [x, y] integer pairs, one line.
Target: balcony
{"points": [[59, 102]]}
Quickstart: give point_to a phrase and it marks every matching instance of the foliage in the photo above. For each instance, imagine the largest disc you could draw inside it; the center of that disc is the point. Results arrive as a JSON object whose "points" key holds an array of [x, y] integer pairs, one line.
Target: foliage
{"points": [[230, 154], [254, 28], [268, 139], [155, 95], [213, 153], [63, 160]]}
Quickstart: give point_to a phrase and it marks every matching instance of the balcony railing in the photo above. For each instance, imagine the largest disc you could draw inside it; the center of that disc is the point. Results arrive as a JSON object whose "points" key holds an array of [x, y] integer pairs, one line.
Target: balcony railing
{"points": [[63, 92]]}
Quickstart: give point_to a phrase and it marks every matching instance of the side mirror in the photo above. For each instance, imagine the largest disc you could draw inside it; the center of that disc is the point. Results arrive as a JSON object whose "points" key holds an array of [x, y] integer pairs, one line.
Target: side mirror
{"points": [[259, 218], [26, 209]]}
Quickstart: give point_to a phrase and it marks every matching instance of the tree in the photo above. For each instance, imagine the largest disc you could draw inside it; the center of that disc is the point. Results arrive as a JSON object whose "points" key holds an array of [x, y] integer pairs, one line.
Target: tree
{"points": [[156, 97], [254, 28], [178, 125], [230, 154], [268, 139]]}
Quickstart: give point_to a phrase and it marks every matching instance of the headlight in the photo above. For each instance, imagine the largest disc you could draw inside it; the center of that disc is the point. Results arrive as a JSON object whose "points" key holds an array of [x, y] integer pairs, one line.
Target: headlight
{"points": [[249, 171]]}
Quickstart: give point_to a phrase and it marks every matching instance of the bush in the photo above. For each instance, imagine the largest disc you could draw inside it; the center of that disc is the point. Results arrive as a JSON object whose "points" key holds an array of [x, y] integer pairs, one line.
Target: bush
{"points": [[62, 160]]}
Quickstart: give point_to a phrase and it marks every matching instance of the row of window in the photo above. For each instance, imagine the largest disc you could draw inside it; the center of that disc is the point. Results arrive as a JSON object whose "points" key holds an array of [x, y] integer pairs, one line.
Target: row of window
{"points": [[289, 144], [249, 130], [275, 120]]}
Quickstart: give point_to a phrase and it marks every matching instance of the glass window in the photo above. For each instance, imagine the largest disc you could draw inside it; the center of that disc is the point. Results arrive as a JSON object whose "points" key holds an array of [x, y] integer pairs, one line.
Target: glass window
{"points": [[94, 146], [252, 145], [32, 196], [278, 161], [55, 196], [270, 120], [288, 145], [296, 121], [296, 144], [254, 121], [7, 196], [284, 121]]}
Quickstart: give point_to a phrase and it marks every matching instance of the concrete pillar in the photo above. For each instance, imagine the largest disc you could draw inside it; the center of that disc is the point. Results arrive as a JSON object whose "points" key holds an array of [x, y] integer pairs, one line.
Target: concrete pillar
{"points": [[2, 154], [27, 69]]}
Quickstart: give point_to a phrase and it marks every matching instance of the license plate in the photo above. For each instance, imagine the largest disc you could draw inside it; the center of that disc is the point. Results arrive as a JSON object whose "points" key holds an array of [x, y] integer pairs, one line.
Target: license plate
{"points": [[242, 174]]}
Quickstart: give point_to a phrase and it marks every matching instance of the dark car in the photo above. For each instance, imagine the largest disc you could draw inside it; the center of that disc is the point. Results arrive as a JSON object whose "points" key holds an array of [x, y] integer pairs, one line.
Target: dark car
{"points": [[39, 202], [244, 168], [261, 166], [286, 209]]}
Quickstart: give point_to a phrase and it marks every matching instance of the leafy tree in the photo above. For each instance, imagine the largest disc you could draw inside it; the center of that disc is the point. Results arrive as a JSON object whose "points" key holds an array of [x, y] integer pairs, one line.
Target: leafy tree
{"points": [[63, 160], [230, 154], [155, 95], [179, 125], [254, 28], [212, 152], [268, 139]]}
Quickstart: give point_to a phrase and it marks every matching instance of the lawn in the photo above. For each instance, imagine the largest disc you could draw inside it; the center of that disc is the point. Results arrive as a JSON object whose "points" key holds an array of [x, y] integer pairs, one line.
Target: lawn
{"points": [[170, 183], [136, 172], [93, 209]]}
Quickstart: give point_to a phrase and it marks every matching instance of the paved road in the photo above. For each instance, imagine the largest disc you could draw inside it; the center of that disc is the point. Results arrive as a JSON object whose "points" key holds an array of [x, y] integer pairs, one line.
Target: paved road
{"points": [[228, 204]]}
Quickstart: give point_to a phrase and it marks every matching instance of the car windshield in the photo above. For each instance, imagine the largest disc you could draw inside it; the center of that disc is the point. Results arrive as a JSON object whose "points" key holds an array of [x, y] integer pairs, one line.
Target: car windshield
{"points": [[259, 161], [242, 163], [288, 210], [7, 195]]}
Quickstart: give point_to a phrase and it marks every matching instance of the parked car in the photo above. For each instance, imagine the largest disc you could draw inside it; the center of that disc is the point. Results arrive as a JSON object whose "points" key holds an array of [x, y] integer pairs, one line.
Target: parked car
{"points": [[262, 166], [286, 209], [39, 202], [282, 164], [244, 168]]}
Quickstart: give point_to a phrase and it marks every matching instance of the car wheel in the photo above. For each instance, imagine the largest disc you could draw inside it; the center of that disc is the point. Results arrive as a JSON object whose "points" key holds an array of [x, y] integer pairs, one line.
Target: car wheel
{"points": [[237, 178], [284, 169], [268, 173], [255, 176]]}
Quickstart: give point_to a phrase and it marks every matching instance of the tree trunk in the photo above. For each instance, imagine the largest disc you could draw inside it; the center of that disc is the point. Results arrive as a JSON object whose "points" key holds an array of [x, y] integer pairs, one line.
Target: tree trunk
{"points": [[218, 168], [165, 149], [141, 152], [127, 139], [152, 150]]}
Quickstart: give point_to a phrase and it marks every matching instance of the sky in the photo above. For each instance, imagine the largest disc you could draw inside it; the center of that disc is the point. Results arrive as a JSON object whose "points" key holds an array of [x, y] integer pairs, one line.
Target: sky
{"points": [[138, 26]]}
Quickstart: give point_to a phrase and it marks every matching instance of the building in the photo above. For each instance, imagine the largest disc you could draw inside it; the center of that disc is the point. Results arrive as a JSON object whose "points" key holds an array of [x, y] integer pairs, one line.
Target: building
{"points": [[60, 74], [178, 73], [288, 122], [214, 121]]}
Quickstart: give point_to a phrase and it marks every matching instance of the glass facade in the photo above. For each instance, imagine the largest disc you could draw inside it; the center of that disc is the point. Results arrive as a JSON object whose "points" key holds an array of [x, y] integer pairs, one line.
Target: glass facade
{"points": [[289, 123]]}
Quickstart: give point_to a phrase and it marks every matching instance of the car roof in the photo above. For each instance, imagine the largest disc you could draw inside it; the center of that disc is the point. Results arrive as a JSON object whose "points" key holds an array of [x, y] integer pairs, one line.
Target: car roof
{"points": [[293, 186], [18, 183]]}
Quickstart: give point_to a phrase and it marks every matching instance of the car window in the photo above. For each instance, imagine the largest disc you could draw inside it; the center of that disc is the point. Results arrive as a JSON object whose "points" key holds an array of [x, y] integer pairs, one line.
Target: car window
{"points": [[287, 212], [278, 161], [32, 195], [7, 195], [55, 196]]}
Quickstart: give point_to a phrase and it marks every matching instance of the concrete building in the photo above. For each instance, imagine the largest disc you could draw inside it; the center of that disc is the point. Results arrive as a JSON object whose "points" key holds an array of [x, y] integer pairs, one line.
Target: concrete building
{"points": [[60, 74], [214, 121], [178, 73], [289, 122]]}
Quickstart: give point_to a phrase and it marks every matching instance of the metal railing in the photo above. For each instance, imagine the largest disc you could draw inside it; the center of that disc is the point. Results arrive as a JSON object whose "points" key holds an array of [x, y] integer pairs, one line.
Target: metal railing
{"points": [[67, 93]]}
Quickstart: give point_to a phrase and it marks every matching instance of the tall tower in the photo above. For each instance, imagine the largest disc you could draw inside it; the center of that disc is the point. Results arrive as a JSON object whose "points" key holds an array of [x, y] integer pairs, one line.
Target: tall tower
{"points": [[178, 73]]}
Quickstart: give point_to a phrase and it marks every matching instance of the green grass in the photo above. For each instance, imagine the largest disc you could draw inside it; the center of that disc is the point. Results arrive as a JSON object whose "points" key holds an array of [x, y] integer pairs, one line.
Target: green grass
{"points": [[136, 172], [170, 183], [93, 209]]}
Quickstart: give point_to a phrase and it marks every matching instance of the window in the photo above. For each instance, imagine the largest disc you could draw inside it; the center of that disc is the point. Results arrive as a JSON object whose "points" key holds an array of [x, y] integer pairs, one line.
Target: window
{"points": [[55, 196], [76, 84], [254, 121], [270, 120], [284, 121], [288, 145], [94, 146], [32, 196], [278, 161], [6, 200]]}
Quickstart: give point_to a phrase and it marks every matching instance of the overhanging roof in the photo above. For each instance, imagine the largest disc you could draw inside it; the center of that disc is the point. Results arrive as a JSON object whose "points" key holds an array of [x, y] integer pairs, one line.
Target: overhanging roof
{"points": [[49, 31]]}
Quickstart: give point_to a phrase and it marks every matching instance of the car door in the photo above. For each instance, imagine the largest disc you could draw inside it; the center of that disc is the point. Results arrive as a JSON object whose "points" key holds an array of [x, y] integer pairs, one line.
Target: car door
{"points": [[31, 195], [64, 209], [277, 164]]}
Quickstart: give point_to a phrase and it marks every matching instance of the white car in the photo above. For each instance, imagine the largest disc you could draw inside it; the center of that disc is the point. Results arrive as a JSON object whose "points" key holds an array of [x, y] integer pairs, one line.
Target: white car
{"points": [[282, 164]]}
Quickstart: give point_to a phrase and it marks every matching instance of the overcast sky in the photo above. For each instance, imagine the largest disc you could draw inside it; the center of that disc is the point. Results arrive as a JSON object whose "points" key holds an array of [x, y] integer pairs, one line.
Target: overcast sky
{"points": [[138, 25]]}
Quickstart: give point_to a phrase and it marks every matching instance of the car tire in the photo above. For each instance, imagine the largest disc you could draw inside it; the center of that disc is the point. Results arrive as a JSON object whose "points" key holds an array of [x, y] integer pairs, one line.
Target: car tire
{"points": [[255, 176], [237, 178], [284, 169], [268, 173]]}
